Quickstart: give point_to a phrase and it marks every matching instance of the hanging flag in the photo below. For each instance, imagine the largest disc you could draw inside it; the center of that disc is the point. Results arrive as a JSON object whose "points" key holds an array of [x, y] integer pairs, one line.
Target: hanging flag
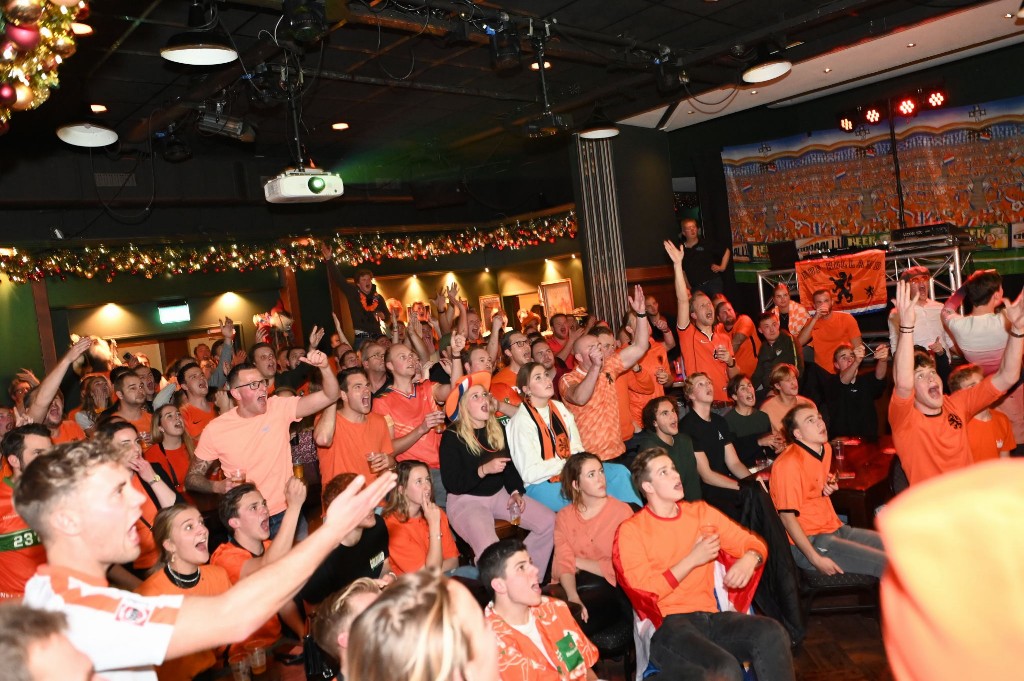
{"points": [[948, 160], [856, 280]]}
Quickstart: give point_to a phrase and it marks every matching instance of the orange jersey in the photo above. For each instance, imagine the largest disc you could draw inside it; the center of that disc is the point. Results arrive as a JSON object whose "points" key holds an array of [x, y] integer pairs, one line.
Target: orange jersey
{"points": [[21, 551]]}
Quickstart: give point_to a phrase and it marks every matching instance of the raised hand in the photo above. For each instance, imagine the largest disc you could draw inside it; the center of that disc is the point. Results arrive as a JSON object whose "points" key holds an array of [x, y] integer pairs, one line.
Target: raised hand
{"points": [[675, 253], [80, 347], [29, 376], [882, 351], [294, 493], [355, 502], [315, 359], [458, 344], [315, 336], [326, 250], [906, 304], [637, 301], [227, 328], [1015, 313], [432, 513]]}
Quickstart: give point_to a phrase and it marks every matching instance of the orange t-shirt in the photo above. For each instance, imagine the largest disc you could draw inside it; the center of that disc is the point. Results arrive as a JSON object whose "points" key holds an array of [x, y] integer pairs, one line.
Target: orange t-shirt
{"points": [[989, 438], [932, 445], [404, 413], [259, 445], [952, 607], [598, 419], [698, 352], [213, 581], [629, 386], [68, 431], [829, 334], [647, 546], [143, 424], [591, 538], [21, 551], [231, 558], [655, 357], [746, 354], [149, 554], [174, 461], [196, 419], [352, 442], [409, 542], [797, 480]]}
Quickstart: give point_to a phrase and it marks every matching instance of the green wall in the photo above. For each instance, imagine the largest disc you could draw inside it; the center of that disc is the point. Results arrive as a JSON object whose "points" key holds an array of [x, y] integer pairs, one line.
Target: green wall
{"points": [[19, 333]]}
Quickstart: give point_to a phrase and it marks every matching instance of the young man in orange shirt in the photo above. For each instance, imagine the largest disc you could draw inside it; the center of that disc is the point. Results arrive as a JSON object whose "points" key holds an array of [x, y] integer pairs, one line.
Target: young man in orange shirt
{"points": [[990, 431], [827, 330], [349, 431], [664, 558], [515, 347], [537, 636], [801, 486], [927, 426], [197, 412]]}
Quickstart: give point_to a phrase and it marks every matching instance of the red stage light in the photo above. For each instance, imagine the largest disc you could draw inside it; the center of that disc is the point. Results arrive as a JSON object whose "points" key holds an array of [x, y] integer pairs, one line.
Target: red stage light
{"points": [[872, 115], [936, 98], [907, 106]]}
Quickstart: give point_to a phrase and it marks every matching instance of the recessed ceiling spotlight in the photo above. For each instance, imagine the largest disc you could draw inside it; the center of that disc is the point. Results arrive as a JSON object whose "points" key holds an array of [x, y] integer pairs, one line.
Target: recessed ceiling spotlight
{"points": [[547, 65], [911, 44], [828, 70], [1007, 16], [79, 28], [97, 108], [691, 112], [339, 126], [753, 92]]}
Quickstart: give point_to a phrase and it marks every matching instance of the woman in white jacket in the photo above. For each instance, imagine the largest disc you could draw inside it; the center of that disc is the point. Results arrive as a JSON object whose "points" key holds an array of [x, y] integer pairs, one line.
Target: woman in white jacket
{"points": [[543, 434]]}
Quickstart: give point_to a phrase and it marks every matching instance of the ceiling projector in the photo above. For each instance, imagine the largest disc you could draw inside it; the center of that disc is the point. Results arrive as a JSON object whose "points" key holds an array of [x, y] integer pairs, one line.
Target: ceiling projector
{"points": [[305, 185]]}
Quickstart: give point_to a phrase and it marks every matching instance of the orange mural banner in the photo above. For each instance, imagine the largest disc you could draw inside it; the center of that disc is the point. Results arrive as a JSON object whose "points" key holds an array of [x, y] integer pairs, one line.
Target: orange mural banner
{"points": [[856, 281]]}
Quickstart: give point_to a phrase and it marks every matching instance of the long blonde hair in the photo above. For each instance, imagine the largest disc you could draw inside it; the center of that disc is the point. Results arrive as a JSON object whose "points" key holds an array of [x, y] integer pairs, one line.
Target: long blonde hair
{"points": [[464, 429], [158, 434], [410, 633], [396, 503]]}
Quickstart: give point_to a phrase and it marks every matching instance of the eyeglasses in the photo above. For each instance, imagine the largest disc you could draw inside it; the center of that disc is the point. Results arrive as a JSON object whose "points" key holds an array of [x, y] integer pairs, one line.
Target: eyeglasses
{"points": [[519, 342], [254, 385]]}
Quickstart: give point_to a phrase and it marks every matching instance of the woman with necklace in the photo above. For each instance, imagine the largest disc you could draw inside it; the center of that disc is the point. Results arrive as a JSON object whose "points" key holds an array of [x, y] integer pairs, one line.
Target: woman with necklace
{"points": [[483, 485], [584, 536], [184, 549], [543, 435], [172, 446]]}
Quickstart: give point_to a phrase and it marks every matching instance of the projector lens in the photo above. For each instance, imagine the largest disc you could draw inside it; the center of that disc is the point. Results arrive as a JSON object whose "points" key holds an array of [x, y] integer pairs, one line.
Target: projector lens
{"points": [[316, 184]]}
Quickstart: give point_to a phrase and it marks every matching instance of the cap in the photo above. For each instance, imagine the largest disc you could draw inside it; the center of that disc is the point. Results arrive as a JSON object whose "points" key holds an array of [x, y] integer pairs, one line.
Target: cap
{"points": [[451, 405]]}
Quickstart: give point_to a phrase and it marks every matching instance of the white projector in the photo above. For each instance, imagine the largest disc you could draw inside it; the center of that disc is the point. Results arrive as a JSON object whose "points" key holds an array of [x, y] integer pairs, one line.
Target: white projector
{"points": [[309, 185]]}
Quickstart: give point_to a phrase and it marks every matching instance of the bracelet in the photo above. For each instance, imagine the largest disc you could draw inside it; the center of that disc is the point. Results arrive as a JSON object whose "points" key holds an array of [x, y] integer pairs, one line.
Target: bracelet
{"points": [[760, 558], [906, 328], [911, 331], [640, 315], [1016, 335]]}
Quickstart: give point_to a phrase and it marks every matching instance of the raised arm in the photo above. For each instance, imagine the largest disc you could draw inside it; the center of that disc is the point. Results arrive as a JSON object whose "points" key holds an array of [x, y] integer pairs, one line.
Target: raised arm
{"points": [[581, 393], [881, 361], [314, 402], [201, 623], [337, 329], [494, 340], [219, 376], [675, 254], [1009, 368], [50, 384], [295, 496], [641, 339], [805, 333], [847, 376], [323, 431], [903, 361]]}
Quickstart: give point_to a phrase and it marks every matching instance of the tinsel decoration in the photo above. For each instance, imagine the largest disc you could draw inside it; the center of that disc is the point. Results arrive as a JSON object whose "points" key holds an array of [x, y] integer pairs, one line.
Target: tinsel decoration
{"points": [[149, 261], [35, 37]]}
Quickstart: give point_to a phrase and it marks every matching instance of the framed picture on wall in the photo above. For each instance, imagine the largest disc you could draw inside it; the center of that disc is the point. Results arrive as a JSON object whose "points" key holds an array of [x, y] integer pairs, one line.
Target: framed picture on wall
{"points": [[556, 297], [488, 304]]}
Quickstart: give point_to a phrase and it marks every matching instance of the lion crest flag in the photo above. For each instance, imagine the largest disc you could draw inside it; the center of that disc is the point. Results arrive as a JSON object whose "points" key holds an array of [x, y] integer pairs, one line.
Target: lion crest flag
{"points": [[856, 281]]}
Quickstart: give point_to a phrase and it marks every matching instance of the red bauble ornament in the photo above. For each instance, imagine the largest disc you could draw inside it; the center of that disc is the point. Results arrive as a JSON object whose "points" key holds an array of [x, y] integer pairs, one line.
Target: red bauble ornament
{"points": [[25, 38], [7, 95]]}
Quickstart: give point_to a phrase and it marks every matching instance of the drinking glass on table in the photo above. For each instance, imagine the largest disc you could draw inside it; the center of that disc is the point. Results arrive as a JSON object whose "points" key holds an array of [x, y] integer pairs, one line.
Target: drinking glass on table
{"points": [[239, 663], [258, 657]]}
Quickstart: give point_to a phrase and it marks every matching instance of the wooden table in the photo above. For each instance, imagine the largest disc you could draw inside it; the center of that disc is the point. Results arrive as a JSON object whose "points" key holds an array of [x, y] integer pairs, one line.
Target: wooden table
{"points": [[859, 496]]}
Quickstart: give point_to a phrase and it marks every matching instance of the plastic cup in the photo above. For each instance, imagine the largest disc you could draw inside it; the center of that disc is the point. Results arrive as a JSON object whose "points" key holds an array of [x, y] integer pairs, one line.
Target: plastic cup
{"points": [[258, 658], [240, 666], [235, 475], [514, 515], [299, 471]]}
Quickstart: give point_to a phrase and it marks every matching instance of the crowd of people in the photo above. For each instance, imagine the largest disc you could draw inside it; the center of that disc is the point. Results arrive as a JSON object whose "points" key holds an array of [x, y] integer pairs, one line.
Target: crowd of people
{"points": [[161, 528]]}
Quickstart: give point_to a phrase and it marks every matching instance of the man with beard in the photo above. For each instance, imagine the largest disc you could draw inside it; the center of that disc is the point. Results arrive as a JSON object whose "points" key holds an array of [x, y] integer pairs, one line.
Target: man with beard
{"points": [[703, 349], [740, 330], [197, 412], [827, 330], [45, 404], [253, 437], [132, 402], [350, 438], [79, 499]]}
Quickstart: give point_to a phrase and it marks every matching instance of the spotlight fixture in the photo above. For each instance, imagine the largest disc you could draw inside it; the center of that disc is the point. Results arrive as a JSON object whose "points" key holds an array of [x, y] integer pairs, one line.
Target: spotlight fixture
{"points": [[216, 122], [305, 20], [936, 98], [536, 67], [98, 108], [505, 50], [205, 44], [549, 123], [873, 114], [769, 65], [907, 107], [339, 126], [847, 122], [86, 134]]}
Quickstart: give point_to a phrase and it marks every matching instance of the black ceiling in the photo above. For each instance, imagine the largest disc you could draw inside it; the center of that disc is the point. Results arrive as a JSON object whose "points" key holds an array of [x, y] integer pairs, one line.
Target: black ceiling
{"points": [[414, 80]]}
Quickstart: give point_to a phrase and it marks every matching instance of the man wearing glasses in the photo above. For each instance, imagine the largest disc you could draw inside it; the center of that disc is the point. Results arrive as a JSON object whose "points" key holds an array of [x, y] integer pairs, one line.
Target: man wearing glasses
{"points": [[253, 437], [516, 349]]}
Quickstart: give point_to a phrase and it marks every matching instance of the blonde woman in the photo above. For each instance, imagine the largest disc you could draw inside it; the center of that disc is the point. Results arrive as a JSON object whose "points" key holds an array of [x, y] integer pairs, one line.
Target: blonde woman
{"points": [[482, 482], [423, 628]]}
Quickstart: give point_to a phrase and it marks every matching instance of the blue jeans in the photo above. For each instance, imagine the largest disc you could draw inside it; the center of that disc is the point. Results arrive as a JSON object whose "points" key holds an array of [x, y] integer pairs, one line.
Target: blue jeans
{"points": [[301, 530], [712, 645], [852, 548], [620, 486]]}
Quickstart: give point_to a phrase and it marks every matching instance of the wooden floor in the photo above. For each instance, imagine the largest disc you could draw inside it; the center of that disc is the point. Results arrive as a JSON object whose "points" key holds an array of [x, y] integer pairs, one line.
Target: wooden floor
{"points": [[842, 647]]}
